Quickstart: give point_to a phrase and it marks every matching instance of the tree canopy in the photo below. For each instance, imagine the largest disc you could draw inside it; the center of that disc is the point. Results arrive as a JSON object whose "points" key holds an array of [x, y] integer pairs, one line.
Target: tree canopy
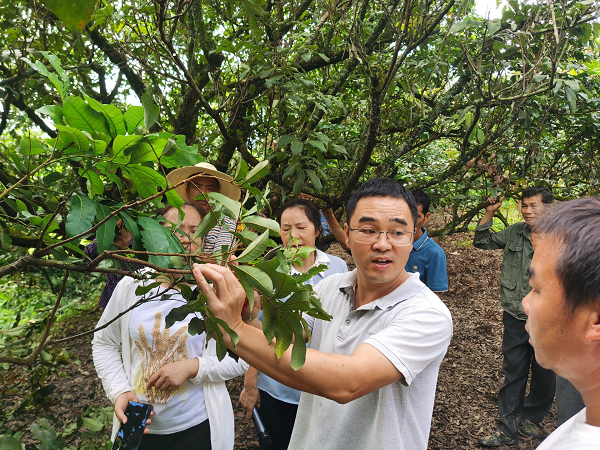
{"points": [[311, 96]]}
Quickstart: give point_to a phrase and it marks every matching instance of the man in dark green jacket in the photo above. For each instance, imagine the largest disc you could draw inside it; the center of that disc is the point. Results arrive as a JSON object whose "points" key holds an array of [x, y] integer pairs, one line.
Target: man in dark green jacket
{"points": [[514, 409]]}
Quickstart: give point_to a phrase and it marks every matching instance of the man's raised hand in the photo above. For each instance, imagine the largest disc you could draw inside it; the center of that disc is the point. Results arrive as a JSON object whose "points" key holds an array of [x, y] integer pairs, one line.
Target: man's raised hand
{"points": [[494, 204], [226, 296]]}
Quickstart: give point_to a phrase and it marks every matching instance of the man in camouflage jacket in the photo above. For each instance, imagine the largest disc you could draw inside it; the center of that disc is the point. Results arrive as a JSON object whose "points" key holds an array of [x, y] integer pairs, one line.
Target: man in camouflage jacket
{"points": [[515, 411]]}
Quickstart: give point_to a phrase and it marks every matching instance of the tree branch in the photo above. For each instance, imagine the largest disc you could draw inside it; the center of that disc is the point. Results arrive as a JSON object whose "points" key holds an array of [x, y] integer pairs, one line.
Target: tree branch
{"points": [[117, 58]]}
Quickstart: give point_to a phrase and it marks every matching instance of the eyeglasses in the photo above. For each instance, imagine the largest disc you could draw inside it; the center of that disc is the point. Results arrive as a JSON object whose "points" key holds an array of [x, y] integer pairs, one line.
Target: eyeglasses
{"points": [[396, 238]]}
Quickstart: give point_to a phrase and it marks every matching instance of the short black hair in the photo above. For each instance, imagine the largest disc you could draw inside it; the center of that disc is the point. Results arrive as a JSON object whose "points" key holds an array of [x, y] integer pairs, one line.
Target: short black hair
{"points": [[310, 210], [423, 199], [576, 226], [532, 191], [382, 187]]}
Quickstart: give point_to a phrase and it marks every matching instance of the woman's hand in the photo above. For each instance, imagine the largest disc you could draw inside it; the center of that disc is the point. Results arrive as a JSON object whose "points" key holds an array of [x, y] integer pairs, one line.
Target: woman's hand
{"points": [[121, 404], [171, 376], [249, 398]]}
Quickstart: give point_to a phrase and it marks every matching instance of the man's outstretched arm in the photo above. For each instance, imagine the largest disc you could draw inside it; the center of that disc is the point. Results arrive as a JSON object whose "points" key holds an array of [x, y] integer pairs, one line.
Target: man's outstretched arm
{"points": [[341, 378]]}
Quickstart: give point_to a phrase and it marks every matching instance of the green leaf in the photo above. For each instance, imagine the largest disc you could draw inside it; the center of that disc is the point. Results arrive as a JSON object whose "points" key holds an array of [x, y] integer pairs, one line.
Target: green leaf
{"points": [[31, 147], [180, 313], [299, 183], [71, 140], [318, 144], [53, 177], [248, 288], [285, 140], [158, 239], [82, 116], [283, 335], [314, 179], [208, 222], [304, 277], [170, 148], [151, 111], [133, 228], [146, 180], [196, 326], [45, 355], [299, 348], [95, 183], [5, 240], [229, 207], [261, 224], [232, 334], [147, 150], [98, 146], [122, 145], [571, 99], [46, 434], [74, 14], [480, 136], [92, 424], [105, 235], [458, 27], [186, 156], [255, 249], [8, 442], [493, 26], [257, 278], [241, 170], [221, 347], [174, 199], [134, 118], [283, 284], [257, 172], [81, 215], [297, 302], [41, 68], [290, 170], [143, 289], [55, 113], [269, 320], [112, 114], [297, 148]]}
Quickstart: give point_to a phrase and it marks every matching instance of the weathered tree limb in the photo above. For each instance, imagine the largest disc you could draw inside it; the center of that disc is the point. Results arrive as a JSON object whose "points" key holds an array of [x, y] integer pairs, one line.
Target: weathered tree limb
{"points": [[117, 58]]}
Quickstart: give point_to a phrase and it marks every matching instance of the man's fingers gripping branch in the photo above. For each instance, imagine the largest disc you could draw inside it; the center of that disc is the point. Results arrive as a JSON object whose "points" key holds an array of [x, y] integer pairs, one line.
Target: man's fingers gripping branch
{"points": [[226, 296]]}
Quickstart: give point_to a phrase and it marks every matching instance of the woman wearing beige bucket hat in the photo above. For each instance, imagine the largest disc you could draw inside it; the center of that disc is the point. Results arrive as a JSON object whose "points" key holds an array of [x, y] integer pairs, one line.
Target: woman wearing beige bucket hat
{"points": [[206, 178]]}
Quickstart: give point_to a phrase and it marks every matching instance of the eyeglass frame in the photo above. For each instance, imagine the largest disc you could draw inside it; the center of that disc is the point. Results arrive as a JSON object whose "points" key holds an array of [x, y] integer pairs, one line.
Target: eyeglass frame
{"points": [[386, 235]]}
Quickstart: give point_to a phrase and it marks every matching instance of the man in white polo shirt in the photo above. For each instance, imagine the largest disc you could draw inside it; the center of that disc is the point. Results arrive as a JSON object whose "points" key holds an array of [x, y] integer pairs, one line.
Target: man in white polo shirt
{"points": [[563, 312], [370, 375]]}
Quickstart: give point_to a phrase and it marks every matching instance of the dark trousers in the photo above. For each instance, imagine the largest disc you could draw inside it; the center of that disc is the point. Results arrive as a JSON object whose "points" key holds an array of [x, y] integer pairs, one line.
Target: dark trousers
{"points": [[196, 437], [568, 400], [278, 418], [518, 359]]}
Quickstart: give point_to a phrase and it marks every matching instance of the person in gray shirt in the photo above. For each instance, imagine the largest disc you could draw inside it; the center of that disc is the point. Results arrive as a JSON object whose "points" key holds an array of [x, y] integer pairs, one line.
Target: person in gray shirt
{"points": [[370, 375]]}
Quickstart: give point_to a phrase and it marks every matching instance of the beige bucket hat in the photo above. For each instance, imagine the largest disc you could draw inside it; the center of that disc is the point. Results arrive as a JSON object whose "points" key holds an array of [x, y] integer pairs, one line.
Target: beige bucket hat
{"points": [[226, 184]]}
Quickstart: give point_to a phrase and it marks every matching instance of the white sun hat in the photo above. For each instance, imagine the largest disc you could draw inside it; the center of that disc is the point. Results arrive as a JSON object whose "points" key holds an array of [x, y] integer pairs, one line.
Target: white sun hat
{"points": [[226, 184]]}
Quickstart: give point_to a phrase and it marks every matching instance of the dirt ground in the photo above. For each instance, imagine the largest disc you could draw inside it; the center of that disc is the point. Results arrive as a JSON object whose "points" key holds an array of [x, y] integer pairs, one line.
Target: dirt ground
{"points": [[469, 379]]}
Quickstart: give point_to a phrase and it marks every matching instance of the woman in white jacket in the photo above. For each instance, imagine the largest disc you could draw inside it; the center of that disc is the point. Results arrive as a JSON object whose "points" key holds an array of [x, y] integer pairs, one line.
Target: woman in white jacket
{"points": [[139, 359]]}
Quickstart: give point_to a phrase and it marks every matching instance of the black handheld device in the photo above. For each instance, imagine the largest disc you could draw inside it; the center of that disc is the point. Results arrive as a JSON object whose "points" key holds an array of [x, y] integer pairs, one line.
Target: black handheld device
{"points": [[264, 438], [130, 434]]}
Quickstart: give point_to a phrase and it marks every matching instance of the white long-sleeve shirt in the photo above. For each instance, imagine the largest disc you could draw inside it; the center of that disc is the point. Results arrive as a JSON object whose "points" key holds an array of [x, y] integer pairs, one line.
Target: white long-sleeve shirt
{"points": [[117, 365]]}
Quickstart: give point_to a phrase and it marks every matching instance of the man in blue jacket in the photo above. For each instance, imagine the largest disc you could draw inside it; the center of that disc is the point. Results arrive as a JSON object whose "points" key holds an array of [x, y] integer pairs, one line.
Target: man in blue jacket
{"points": [[427, 257]]}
